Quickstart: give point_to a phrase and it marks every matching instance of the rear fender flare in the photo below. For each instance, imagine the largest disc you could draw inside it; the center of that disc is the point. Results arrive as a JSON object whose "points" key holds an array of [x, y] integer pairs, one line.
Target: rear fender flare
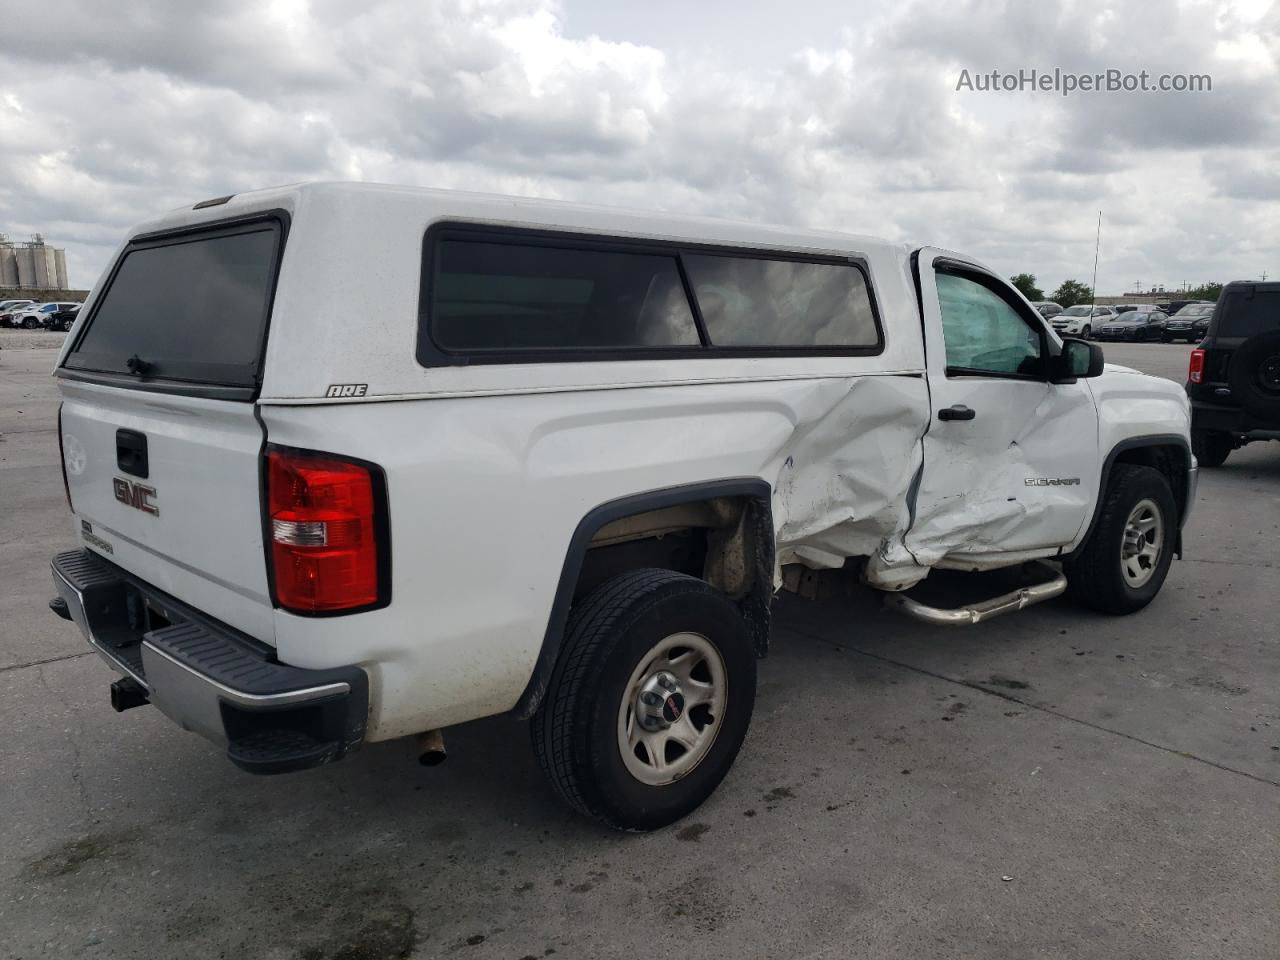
{"points": [[755, 605]]}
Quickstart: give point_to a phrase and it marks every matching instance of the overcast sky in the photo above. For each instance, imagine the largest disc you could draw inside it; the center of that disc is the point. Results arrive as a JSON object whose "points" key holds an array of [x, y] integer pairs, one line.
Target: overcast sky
{"points": [[834, 114]]}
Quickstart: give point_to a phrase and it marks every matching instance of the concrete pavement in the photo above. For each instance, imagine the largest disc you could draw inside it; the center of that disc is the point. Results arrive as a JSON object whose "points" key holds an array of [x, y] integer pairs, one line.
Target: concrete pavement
{"points": [[1122, 774]]}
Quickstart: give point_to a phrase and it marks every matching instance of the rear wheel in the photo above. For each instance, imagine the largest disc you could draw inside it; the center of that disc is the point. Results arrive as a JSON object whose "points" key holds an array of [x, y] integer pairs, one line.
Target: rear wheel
{"points": [[1211, 447], [649, 701], [1126, 558]]}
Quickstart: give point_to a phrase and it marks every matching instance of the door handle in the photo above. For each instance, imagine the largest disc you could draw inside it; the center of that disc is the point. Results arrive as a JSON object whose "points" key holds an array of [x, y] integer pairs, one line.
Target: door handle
{"points": [[958, 412]]}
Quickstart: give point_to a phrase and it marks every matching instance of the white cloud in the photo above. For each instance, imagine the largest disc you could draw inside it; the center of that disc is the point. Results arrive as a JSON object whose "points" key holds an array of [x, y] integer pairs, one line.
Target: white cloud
{"points": [[859, 128]]}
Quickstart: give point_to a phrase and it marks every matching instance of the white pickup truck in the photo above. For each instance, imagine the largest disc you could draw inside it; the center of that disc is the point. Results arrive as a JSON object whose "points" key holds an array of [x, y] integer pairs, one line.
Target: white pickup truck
{"points": [[558, 466]]}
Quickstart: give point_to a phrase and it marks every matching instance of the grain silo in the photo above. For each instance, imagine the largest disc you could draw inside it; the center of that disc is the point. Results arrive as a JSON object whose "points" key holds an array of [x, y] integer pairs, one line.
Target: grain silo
{"points": [[8, 263], [26, 266], [38, 266], [32, 265]]}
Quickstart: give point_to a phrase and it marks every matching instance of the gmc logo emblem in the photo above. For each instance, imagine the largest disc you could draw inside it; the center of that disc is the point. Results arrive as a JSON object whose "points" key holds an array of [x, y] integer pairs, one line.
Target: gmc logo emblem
{"points": [[135, 495]]}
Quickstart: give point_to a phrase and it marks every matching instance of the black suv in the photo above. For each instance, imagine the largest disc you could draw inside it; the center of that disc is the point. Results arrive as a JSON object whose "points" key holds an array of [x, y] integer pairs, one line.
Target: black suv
{"points": [[1234, 378], [62, 319]]}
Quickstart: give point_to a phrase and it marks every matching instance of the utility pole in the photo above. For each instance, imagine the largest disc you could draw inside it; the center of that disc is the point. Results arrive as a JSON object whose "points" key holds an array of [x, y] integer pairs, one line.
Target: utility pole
{"points": [[1097, 243]]}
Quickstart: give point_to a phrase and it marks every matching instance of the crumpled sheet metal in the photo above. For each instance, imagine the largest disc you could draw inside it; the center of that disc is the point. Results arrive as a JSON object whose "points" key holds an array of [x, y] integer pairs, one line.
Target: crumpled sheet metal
{"points": [[842, 479], [965, 504]]}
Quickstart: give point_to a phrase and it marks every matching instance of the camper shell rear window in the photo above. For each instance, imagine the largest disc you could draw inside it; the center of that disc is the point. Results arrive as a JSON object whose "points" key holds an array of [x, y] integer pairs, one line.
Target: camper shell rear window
{"points": [[186, 312]]}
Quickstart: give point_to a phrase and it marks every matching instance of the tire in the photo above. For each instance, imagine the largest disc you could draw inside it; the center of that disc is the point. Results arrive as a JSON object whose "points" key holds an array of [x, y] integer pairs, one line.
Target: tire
{"points": [[1100, 577], [595, 699], [1211, 447], [1087, 332], [30, 323], [1255, 376]]}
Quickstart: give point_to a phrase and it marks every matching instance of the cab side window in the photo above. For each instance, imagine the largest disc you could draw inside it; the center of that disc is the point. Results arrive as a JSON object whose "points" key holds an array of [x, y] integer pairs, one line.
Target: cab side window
{"points": [[983, 333]]}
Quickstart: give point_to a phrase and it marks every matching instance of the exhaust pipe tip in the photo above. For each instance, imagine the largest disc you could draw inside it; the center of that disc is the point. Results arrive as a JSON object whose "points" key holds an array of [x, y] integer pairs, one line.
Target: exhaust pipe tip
{"points": [[127, 693], [431, 751]]}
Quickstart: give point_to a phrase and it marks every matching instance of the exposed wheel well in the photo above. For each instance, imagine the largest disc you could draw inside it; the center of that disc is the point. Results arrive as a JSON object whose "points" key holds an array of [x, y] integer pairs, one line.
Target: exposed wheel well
{"points": [[720, 532], [709, 539], [726, 541]]}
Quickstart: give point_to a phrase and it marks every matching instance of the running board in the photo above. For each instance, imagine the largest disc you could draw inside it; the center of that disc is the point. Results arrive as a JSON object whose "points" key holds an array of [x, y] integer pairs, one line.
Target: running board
{"points": [[987, 609]]}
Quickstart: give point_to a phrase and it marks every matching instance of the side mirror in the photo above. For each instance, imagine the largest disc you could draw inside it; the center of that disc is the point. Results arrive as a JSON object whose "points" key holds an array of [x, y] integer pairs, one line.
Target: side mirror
{"points": [[1079, 358]]}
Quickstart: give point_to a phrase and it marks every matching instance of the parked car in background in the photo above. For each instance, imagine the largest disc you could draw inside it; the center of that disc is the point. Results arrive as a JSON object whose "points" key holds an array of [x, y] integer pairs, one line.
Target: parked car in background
{"points": [[1176, 305], [9, 307], [35, 316], [1081, 320], [1233, 378], [62, 319], [1190, 323], [1147, 324], [1048, 309]]}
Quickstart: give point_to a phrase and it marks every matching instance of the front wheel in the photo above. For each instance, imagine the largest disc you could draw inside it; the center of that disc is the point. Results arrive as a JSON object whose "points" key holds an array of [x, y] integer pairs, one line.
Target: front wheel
{"points": [[1125, 560], [30, 323], [649, 702], [1087, 332]]}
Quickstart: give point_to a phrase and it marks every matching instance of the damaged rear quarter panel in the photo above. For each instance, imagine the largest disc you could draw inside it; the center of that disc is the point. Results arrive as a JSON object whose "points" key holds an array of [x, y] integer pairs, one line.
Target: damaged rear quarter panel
{"points": [[486, 492]]}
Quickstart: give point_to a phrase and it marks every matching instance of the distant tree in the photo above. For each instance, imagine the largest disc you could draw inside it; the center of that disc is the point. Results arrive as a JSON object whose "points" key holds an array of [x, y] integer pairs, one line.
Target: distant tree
{"points": [[1206, 291], [1071, 293], [1026, 284]]}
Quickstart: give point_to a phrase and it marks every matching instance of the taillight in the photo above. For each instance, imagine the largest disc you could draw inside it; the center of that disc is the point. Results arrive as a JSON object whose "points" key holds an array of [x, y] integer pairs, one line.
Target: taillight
{"points": [[1195, 372], [327, 520]]}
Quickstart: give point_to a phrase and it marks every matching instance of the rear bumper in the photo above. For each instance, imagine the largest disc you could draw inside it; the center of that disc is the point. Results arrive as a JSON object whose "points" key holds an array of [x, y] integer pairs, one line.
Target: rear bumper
{"points": [[270, 717], [1233, 420]]}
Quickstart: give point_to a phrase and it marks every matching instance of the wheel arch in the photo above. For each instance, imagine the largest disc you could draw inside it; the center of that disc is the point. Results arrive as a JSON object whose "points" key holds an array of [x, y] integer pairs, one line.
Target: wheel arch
{"points": [[1170, 453], [741, 552]]}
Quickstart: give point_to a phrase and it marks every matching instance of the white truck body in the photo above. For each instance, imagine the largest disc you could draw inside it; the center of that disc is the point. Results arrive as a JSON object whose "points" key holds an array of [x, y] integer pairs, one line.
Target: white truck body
{"points": [[491, 467]]}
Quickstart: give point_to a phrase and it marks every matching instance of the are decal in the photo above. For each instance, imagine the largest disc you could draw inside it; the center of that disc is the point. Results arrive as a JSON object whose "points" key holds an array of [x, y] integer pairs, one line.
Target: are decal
{"points": [[347, 390]]}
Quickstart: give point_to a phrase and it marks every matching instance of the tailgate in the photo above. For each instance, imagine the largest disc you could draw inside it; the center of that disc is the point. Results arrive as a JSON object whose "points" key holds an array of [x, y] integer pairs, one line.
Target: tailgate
{"points": [[189, 524], [160, 440]]}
